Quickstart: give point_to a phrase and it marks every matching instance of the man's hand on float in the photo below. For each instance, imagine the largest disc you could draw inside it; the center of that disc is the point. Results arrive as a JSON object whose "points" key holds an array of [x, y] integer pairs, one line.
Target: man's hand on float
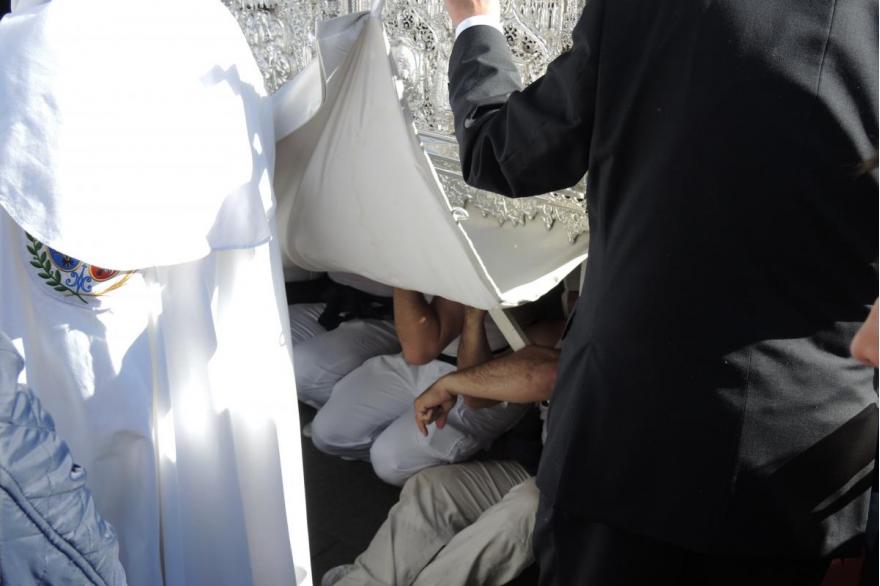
{"points": [[461, 9], [433, 406]]}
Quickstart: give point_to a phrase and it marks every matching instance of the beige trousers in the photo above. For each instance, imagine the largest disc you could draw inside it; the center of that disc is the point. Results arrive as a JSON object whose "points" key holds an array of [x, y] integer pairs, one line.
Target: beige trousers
{"points": [[454, 525]]}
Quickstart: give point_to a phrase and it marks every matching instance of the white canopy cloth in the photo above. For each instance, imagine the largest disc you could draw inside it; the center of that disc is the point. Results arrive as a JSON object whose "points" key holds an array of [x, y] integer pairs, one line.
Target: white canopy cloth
{"points": [[357, 193], [173, 383]]}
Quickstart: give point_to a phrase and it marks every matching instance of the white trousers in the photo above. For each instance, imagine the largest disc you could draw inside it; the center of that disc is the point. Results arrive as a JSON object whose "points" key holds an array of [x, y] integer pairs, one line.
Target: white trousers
{"points": [[462, 524], [322, 358], [370, 416]]}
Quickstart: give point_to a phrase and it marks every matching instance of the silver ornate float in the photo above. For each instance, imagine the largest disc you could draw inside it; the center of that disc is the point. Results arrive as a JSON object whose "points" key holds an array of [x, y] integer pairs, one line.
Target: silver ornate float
{"points": [[281, 34]]}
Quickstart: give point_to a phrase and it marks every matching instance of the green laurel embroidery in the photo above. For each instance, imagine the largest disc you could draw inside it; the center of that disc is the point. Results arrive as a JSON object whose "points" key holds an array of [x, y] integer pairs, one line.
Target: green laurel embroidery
{"points": [[40, 260]]}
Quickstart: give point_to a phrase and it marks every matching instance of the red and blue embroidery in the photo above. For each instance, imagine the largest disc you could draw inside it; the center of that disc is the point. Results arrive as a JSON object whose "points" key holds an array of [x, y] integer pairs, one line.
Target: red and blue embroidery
{"points": [[70, 276]]}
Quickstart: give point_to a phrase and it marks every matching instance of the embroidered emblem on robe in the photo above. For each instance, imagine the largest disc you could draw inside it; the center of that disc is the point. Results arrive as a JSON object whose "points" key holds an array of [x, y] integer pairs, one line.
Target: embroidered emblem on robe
{"points": [[70, 277]]}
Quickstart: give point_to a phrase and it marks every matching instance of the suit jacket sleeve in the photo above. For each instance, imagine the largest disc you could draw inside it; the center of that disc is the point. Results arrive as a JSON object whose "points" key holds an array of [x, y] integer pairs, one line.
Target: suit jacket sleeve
{"points": [[517, 141]]}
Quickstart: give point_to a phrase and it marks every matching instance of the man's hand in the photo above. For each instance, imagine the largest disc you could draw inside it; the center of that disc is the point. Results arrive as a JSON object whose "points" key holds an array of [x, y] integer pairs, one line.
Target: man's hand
{"points": [[864, 345], [460, 9], [433, 406]]}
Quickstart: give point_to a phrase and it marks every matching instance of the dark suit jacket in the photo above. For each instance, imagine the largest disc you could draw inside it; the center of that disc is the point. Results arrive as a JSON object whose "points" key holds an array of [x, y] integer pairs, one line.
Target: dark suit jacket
{"points": [[706, 395]]}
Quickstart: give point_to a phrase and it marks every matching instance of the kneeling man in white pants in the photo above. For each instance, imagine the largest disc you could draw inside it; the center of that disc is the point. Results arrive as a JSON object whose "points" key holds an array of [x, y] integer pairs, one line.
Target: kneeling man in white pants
{"points": [[368, 415], [333, 337]]}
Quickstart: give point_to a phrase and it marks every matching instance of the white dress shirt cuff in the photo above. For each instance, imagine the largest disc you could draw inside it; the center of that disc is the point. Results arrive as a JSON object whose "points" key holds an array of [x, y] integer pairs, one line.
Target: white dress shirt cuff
{"points": [[485, 19]]}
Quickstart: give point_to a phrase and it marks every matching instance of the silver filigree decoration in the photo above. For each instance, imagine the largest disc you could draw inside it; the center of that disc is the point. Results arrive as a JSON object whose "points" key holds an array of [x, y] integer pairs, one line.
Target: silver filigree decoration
{"points": [[281, 34], [564, 207]]}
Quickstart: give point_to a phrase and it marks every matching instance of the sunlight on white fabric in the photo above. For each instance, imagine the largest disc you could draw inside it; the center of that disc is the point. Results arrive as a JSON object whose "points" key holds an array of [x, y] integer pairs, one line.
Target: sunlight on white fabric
{"points": [[194, 411], [94, 60], [167, 443], [257, 144]]}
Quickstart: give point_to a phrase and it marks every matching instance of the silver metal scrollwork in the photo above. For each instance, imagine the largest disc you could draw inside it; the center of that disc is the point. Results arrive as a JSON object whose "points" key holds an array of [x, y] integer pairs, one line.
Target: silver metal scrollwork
{"points": [[281, 34]]}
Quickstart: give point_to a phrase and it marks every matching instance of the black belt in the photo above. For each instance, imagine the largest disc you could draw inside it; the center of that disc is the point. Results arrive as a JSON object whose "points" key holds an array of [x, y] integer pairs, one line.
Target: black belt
{"points": [[346, 303], [453, 360]]}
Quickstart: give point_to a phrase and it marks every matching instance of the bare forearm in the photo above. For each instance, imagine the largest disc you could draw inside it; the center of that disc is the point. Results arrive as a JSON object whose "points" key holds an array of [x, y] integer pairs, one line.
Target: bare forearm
{"points": [[423, 328], [474, 346], [413, 317], [525, 376]]}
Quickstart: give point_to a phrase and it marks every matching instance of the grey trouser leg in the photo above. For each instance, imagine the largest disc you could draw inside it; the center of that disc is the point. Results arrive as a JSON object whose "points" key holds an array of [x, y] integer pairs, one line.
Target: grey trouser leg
{"points": [[458, 524]]}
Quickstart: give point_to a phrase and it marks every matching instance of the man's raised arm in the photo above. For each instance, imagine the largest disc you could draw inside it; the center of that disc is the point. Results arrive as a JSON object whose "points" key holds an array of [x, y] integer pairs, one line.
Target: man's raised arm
{"points": [[527, 142]]}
